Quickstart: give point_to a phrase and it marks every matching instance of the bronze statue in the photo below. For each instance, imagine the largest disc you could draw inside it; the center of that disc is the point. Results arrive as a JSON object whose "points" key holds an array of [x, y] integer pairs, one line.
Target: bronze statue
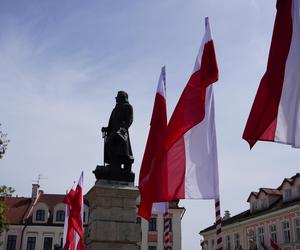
{"points": [[118, 156], [117, 148]]}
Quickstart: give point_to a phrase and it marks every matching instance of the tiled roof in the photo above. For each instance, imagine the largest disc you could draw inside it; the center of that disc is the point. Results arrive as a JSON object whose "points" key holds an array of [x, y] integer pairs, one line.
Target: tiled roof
{"points": [[51, 199], [289, 180], [16, 208], [270, 191]]}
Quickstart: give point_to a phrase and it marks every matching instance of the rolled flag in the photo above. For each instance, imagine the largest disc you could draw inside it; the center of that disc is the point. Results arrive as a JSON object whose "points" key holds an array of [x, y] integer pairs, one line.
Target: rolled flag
{"points": [[158, 127], [73, 228], [68, 236], [186, 166], [275, 114]]}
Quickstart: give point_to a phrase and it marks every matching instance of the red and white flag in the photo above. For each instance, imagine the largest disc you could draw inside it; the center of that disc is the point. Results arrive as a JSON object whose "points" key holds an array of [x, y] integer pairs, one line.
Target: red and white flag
{"points": [[73, 227], [274, 245], [186, 166], [275, 114], [158, 127]]}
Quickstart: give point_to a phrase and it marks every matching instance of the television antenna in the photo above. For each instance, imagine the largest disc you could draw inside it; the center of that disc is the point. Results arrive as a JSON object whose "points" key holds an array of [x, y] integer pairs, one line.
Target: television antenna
{"points": [[40, 177]]}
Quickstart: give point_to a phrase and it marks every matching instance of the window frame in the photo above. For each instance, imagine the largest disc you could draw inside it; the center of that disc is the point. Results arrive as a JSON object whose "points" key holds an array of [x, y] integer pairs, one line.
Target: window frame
{"points": [[251, 238], [237, 241], [288, 194], [212, 244], [264, 203], [11, 244], [298, 190], [297, 229], [261, 234], [46, 247], [33, 242], [286, 230], [254, 206], [152, 224], [40, 215], [227, 242], [273, 232], [58, 215]]}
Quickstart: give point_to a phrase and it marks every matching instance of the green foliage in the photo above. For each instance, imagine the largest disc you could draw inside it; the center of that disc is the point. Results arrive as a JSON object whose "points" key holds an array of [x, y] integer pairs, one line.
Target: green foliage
{"points": [[4, 192], [3, 143]]}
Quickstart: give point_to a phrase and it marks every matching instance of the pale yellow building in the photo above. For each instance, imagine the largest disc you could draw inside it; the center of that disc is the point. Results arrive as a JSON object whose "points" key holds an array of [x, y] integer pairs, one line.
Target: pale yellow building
{"points": [[272, 213]]}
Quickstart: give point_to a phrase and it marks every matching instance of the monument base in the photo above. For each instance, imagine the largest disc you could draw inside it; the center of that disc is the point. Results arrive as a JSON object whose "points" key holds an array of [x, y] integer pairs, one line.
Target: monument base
{"points": [[115, 174], [112, 218]]}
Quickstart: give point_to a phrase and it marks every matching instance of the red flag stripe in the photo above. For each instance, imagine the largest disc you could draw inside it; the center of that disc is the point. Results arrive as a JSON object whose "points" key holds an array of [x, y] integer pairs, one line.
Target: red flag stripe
{"points": [[261, 124], [186, 115], [158, 126], [74, 200]]}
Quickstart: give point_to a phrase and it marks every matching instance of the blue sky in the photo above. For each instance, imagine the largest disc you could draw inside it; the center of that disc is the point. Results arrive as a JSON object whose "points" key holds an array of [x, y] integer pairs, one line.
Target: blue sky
{"points": [[62, 63]]}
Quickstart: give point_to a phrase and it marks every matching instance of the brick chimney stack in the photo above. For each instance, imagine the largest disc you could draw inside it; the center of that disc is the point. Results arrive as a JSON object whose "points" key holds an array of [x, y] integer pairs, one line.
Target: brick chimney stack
{"points": [[35, 189]]}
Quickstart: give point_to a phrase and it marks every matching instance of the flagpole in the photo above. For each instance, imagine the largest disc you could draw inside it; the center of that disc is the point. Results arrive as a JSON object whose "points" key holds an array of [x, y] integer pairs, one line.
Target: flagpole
{"points": [[167, 233], [218, 224]]}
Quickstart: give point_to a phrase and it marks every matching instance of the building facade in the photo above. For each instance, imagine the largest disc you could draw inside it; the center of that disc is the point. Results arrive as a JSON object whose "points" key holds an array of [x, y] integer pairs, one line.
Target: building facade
{"points": [[36, 223], [153, 231], [273, 214]]}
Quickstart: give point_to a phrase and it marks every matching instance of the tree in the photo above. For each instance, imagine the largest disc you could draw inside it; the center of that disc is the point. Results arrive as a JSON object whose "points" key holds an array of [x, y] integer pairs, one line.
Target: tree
{"points": [[4, 193], [3, 143]]}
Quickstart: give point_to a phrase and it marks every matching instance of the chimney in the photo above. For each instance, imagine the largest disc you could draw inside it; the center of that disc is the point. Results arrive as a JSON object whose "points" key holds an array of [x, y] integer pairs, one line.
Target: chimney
{"points": [[226, 215], [35, 188]]}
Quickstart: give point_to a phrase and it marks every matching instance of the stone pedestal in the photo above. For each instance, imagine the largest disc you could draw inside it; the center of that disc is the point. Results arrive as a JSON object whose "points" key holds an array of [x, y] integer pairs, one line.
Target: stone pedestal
{"points": [[112, 220]]}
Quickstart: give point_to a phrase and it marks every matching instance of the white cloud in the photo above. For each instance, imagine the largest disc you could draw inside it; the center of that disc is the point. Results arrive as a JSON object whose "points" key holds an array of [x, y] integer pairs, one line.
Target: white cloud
{"points": [[61, 69]]}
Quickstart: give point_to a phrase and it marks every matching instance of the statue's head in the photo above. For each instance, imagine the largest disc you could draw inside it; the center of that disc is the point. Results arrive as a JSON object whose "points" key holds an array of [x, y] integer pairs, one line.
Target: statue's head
{"points": [[122, 97]]}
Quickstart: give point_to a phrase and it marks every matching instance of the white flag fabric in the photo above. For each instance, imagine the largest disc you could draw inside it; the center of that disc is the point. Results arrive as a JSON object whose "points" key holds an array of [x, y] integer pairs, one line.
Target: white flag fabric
{"points": [[186, 166], [275, 114]]}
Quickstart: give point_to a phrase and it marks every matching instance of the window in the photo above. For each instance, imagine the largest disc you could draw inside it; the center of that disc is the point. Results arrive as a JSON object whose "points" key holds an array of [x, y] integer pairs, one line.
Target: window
{"points": [[237, 243], [60, 215], [152, 224], [297, 229], [152, 248], [260, 235], [273, 232], [11, 242], [40, 215], [251, 239], [212, 244], [31, 243], [286, 231], [298, 191], [254, 205], [264, 203], [288, 195], [47, 243], [227, 242]]}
